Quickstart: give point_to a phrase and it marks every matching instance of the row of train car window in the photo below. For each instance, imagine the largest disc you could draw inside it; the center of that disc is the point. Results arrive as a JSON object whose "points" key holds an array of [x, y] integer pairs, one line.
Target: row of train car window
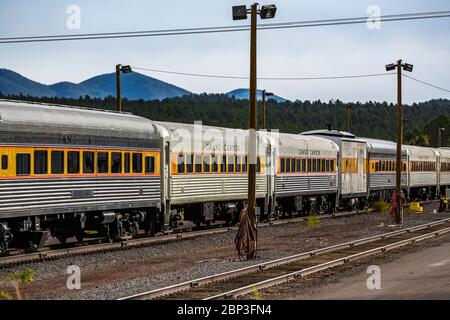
{"points": [[190, 163], [445, 166], [385, 166], [418, 166], [102, 165], [293, 165]]}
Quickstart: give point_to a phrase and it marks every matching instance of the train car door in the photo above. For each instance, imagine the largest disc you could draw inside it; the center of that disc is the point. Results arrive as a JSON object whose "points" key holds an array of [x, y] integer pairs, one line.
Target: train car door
{"points": [[4, 158]]}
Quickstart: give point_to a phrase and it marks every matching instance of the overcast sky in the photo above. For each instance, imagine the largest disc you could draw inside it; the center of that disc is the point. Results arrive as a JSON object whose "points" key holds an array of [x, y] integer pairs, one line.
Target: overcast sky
{"points": [[303, 52]]}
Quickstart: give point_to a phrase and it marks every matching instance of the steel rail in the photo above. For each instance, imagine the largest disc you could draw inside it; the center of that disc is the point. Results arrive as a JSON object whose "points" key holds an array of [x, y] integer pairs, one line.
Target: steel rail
{"points": [[157, 293], [233, 294]]}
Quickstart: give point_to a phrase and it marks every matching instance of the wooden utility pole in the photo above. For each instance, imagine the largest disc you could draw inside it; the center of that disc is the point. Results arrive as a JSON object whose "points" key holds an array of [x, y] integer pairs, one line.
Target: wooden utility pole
{"points": [[398, 180], [265, 94], [348, 109], [440, 136], [252, 129], [119, 96]]}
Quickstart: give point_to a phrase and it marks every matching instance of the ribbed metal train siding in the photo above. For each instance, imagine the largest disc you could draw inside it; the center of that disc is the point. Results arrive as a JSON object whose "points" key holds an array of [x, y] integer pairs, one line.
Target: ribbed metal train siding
{"points": [[200, 188], [381, 181], [420, 179], [290, 184], [38, 196]]}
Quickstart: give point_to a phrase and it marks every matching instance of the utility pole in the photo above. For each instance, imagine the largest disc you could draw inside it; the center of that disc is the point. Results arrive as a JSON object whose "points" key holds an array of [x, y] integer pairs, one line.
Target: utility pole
{"points": [[398, 171], [348, 109], [440, 136], [119, 95], [240, 13], [124, 69], [264, 95], [398, 177]]}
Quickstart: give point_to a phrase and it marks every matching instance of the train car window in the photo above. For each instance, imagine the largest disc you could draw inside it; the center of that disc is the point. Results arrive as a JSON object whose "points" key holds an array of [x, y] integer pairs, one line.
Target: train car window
{"points": [[237, 160], [332, 165], [116, 162], [190, 163], [102, 162], [314, 165], [327, 165], [258, 164], [23, 165], [137, 162], [298, 165], [88, 162], [309, 165], [198, 163], [304, 165], [223, 165], [288, 165], [57, 159], [126, 162], [206, 164], [180, 163], [293, 168], [282, 165], [215, 163], [244, 164], [323, 166], [73, 162], [404, 166], [4, 162], [40, 162], [230, 164], [149, 164]]}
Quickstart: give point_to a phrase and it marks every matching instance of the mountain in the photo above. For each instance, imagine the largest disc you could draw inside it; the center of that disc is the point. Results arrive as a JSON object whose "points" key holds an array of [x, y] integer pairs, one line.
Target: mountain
{"points": [[134, 86], [243, 94]]}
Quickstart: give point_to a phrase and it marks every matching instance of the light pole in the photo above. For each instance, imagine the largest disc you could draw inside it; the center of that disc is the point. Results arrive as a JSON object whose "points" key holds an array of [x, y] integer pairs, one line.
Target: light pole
{"points": [[240, 13], [264, 95], [398, 181], [440, 136], [124, 69]]}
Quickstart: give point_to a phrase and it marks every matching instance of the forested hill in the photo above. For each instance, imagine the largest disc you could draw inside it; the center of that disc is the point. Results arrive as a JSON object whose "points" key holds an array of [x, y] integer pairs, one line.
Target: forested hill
{"points": [[372, 119]]}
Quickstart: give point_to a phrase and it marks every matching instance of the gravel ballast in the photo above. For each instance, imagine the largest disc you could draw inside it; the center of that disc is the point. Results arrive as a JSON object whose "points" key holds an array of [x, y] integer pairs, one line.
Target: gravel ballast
{"points": [[122, 273]]}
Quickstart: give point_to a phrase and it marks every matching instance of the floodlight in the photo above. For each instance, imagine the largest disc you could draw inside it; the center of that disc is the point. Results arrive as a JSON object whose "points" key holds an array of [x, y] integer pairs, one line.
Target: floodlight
{"points": [[408, 67], [390, 67], [268, 12], [239, 12], [126, 69]]}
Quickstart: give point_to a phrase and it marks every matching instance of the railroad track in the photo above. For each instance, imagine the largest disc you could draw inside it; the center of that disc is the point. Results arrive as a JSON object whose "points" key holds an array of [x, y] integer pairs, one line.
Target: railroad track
{"points": [[47, 253], [236, 283]]}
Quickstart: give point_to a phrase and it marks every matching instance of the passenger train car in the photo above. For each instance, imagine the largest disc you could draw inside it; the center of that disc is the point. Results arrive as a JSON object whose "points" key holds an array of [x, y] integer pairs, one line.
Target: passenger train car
{"points": [[68, 170], [306, 171], [352, 166], [205, 170]]}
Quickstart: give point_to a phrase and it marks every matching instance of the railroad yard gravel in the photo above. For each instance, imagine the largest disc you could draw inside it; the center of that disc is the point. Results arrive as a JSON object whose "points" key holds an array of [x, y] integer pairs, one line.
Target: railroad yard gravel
{"points": [[126, 272]]}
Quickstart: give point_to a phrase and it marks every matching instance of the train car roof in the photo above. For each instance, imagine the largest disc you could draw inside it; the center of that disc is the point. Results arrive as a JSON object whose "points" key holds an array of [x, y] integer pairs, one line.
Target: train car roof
{"points": [[295, 140], [444, 152], [45, 118], [417, 151], [211, 136], [382, 146], [329, 133]]}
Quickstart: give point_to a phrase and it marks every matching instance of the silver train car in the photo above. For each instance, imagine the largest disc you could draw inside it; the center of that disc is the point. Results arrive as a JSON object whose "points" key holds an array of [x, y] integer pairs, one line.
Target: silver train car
{"points": [[305, 174], [64, 170]]}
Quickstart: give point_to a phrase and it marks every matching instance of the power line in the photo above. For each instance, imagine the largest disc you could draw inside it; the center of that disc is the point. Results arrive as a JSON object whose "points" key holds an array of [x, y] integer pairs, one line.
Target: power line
{"points": [[263, 78], [205, 30], [426, 83]]}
